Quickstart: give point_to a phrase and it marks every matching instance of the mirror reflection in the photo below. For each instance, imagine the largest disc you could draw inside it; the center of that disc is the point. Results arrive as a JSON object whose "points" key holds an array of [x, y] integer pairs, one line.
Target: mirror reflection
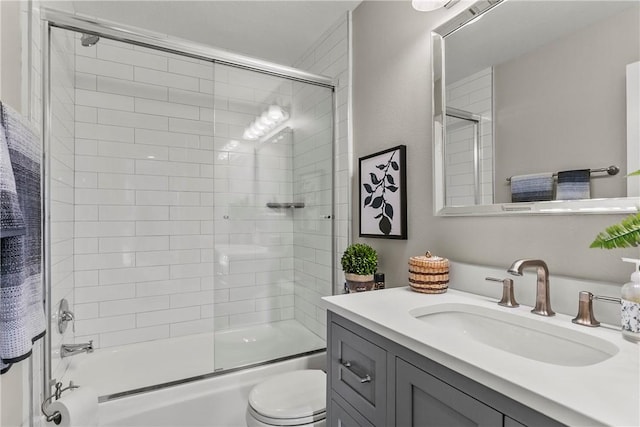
{"points": [[535, 102]]}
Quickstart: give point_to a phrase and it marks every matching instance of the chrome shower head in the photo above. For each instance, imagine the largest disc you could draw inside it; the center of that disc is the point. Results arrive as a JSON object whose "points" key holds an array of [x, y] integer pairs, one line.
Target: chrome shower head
{"points": [[89, 39]]}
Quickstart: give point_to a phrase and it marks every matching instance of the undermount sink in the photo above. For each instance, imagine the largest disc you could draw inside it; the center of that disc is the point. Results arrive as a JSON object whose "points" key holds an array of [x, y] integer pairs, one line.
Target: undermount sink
{"points": [[535, 339]]}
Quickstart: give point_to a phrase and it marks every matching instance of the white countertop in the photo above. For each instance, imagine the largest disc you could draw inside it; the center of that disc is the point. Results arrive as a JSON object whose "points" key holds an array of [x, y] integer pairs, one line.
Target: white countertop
{"points": [[606, 393]]}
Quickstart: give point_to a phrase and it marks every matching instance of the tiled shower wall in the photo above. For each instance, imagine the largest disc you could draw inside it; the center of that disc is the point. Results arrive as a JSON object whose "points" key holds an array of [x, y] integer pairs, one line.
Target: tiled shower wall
{"points": [[473, 94], [149, 168], [329, 56], [312, 151], [61, 164], [253, 243], [172, 234], [143, 176]]}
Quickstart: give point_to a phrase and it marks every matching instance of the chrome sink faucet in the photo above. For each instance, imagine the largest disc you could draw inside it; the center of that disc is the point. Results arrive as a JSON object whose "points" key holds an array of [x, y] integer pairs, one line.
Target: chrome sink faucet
{"points": [[543, 299], [73, 349]]}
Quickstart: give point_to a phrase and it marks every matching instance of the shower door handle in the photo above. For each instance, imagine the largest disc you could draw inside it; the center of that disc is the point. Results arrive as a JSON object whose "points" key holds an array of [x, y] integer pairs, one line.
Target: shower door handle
{"points": [[363, 378]]}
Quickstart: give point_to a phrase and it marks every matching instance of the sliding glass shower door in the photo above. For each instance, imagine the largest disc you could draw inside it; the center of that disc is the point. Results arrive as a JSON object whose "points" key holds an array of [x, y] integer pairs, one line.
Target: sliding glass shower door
{"points": [[273, 158], [190, 209]]}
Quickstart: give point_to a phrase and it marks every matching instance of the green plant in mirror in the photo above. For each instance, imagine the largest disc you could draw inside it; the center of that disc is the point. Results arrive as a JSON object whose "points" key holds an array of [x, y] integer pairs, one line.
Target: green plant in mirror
{"points": [[359, 258], [625, 234]]}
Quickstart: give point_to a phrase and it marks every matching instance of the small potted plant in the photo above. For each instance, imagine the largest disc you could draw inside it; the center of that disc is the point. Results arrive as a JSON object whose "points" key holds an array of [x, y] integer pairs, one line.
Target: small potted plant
{"points": [[359, 263]]}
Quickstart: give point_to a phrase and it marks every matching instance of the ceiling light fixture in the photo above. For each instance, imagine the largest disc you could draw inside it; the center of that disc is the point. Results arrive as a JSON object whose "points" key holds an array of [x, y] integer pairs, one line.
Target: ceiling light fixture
{"points": [[431, 5], [266, 123]]}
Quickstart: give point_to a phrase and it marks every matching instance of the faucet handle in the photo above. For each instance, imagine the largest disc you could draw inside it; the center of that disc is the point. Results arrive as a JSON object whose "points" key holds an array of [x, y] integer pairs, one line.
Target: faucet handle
{"points": [[585, 315], [64, 316], [508, 298]]}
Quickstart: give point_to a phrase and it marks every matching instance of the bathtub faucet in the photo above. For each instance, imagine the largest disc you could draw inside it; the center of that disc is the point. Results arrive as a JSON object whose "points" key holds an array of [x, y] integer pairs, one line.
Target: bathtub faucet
{"points": [[73, 349]]}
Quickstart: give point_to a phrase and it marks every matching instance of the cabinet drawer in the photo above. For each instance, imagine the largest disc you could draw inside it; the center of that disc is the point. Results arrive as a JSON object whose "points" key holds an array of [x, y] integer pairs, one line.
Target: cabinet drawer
{"points": [[342, 415], [358, 373]]}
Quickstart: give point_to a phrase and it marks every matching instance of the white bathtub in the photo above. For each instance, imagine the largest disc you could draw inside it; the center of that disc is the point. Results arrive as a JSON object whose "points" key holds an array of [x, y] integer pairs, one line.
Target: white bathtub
{"points": [[219, 401], [116, 370]]}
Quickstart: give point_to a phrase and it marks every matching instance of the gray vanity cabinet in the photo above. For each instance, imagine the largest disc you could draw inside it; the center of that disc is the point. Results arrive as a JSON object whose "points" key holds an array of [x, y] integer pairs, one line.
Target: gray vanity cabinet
{"points": [[373, 381], [343, 415], [425, 401], [359, 373]]}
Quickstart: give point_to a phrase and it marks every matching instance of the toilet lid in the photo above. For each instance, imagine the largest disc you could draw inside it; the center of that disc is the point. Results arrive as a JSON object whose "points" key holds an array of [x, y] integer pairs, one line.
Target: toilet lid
{"points": [[294, 394]]}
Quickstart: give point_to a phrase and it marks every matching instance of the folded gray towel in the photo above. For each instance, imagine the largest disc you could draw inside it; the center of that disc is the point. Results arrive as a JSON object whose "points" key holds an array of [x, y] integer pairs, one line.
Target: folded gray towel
{"points": [[22, 318]]}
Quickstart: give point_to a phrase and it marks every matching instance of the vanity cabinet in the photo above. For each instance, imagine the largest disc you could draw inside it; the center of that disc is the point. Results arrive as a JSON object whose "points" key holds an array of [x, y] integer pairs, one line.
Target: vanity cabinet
{"points": [[359, 372], [423, 400], [373, 381]]}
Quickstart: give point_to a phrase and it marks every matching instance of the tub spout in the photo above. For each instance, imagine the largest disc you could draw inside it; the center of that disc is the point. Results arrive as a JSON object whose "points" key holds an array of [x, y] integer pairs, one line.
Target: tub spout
{"points": [[73, 349]]}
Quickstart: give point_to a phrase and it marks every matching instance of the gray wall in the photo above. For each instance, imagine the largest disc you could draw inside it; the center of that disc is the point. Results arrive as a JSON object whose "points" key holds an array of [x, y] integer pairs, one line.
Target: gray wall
{"points": [[562, 107], [392, 105]]}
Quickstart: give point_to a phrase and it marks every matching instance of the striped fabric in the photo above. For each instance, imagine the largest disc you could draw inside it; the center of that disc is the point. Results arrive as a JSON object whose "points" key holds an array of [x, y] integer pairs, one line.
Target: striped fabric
{"points": [[574, 185], [532, 187], [21, 309]]}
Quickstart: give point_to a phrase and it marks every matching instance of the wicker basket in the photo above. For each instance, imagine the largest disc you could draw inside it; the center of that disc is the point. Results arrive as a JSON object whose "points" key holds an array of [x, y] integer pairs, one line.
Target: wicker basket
{"points": [[429, 274]]}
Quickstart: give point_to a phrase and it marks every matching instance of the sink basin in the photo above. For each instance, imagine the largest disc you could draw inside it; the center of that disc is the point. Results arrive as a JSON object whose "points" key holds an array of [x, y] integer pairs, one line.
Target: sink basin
{"points": [[535, 339]]}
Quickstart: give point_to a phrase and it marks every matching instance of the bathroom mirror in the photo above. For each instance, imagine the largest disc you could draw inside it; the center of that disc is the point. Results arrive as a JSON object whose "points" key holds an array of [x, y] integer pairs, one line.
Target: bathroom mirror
{"points": [[527, 87]]}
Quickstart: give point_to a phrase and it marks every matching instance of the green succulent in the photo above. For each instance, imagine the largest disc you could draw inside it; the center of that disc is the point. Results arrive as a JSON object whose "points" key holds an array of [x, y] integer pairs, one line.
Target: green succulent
{"points": [[625, 234], [359, 258]]}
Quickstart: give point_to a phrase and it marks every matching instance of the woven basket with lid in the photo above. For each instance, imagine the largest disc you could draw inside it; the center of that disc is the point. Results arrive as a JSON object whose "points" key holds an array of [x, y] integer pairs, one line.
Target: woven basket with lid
{"points": [[429, 274]]}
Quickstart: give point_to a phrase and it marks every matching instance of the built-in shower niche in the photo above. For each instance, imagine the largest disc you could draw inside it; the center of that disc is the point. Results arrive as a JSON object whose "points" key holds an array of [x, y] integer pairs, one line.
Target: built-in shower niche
{"points": [[162, 239]]}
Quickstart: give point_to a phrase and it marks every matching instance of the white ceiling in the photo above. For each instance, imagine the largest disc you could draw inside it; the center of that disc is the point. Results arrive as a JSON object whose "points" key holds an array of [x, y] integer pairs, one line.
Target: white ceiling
{"points": [[278, 31]]}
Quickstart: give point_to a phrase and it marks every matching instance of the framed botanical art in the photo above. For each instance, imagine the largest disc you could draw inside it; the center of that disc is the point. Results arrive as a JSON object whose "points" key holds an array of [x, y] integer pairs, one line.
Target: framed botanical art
{"points": [[383, 194]]}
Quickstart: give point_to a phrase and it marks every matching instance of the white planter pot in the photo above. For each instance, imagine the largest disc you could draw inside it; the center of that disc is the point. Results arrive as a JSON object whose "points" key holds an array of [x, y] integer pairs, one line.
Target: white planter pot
{"points": [[358, 282]]}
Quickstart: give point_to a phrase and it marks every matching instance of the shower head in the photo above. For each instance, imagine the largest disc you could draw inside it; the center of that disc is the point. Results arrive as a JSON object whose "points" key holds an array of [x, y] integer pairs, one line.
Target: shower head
{"points": [[89, 39]]}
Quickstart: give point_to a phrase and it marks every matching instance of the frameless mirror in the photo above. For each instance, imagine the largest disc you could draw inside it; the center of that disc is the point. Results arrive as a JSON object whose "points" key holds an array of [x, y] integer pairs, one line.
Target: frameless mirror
{"points": [[540, 88]]}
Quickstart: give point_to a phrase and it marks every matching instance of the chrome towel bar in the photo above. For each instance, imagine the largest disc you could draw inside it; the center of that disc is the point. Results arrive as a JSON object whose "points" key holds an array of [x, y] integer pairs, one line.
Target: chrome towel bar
{"points": [[611, 170]]}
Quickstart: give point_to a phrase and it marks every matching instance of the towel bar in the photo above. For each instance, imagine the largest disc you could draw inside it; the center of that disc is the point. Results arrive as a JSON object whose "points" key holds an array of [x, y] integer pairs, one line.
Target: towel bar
{"points": [[611, 170]]}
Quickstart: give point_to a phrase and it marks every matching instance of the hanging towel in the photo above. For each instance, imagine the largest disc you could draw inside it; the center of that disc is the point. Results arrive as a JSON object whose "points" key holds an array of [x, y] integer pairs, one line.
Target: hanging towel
{"points": [[532, 188], [22, 319], [574, 185]]}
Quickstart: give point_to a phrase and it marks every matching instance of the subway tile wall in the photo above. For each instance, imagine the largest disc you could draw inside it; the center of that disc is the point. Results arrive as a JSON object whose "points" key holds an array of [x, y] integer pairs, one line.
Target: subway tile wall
{"points": [[172, 233], [141, 185], [61, 180], [329, 56], [473, 94], [253, 243]]}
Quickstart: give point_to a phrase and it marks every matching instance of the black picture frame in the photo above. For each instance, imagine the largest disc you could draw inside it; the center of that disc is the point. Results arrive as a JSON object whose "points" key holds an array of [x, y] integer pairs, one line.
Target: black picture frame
{"points": [[382, 190]]}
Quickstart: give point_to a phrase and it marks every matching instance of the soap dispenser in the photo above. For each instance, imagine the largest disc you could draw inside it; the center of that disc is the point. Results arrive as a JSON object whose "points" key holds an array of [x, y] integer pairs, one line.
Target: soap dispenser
{"points": [[630, 297]]}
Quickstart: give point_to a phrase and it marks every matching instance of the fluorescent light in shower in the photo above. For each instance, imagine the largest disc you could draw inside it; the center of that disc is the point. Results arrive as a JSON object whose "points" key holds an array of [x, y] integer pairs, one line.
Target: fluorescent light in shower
{"points": [[264, 124]]}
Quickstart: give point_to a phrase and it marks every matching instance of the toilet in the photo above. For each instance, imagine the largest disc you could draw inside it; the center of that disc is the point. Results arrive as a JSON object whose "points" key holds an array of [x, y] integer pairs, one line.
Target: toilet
{"points": [[297, 398]]}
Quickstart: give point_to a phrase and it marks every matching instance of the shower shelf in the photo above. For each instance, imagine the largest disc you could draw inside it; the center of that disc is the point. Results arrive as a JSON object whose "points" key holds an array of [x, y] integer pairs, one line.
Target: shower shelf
{"points": [[292, 205]]}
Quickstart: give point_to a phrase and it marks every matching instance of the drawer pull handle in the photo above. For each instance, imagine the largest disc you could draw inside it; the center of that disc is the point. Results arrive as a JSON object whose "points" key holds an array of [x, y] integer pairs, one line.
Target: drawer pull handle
{"points": [[363, 379]]}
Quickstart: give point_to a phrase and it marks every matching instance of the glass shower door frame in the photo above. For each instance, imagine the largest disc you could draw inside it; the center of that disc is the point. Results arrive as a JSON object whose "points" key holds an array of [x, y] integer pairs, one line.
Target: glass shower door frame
{"points": [[475, 120], [52, 18]]}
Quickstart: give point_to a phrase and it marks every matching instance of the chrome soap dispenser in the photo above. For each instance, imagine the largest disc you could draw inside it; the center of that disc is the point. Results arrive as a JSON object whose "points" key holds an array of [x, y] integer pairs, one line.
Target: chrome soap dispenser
{"points": [[630, 297]]}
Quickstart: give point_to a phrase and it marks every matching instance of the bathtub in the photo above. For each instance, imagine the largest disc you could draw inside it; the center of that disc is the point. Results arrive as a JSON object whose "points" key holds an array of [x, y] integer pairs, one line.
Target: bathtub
{"points": [[174, 382], [113, 372], [218, 401]]}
